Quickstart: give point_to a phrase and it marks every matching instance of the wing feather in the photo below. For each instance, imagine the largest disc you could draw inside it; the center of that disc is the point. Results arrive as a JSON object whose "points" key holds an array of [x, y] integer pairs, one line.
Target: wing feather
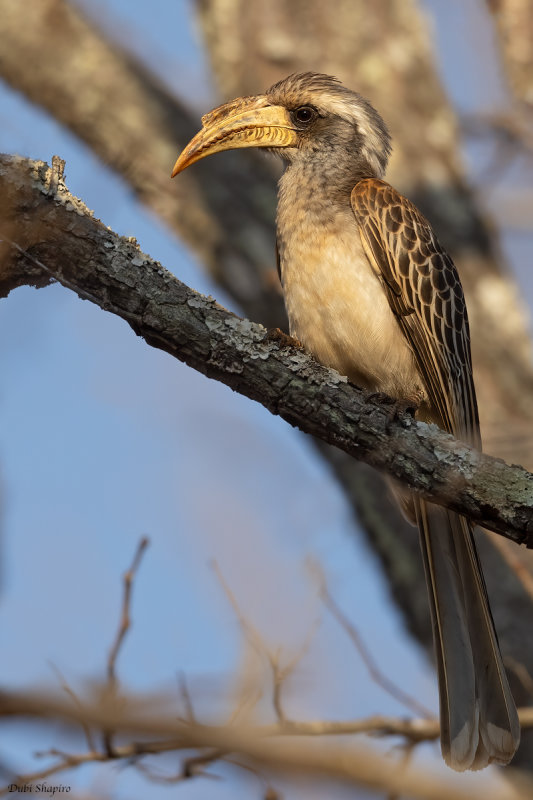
{"points": [[425, 294], [479, 723]]}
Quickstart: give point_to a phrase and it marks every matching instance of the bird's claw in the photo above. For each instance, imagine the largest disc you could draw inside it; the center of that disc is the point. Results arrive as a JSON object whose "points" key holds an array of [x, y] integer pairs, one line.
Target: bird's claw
{"points": [[397, 408], [277, 335]]}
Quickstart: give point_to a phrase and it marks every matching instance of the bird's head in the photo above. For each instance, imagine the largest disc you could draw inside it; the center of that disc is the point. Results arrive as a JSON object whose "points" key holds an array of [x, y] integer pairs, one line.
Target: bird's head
{"points": [[305, 117]]}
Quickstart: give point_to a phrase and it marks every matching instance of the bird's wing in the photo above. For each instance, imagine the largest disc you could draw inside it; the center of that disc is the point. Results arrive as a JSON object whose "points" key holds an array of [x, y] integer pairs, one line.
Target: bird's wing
{"points": [[425, 294]]}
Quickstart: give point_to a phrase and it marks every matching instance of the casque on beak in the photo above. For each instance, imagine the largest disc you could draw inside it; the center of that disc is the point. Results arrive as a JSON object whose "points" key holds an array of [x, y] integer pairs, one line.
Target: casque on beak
{"points": [[245, 122]]}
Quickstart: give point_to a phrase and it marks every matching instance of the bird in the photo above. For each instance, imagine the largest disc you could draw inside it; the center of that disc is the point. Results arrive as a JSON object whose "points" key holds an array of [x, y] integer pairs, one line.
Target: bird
{"points": [[370, 292]]}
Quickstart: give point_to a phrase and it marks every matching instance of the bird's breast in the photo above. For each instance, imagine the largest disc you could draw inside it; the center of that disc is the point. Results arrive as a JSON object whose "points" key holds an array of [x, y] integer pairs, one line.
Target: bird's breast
{"points": [[336, 304]]}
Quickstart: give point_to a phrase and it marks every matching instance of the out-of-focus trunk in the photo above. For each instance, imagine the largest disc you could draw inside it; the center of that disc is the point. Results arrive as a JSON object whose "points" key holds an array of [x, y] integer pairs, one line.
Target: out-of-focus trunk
{"points": [[514, 27]]}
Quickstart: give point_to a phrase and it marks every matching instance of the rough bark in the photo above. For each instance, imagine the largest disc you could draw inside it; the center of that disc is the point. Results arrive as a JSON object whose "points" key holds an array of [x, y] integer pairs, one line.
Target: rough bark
{"points": [[61, 62], [52, 235]]}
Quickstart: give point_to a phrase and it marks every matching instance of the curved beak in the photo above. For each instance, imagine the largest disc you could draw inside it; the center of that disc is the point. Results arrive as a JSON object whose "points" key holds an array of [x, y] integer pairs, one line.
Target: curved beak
{"points": [[246, 122]]}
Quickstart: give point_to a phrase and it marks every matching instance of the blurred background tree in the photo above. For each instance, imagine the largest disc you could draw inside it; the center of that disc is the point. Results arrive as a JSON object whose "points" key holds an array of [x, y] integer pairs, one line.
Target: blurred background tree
{"points": [[107, 439]]}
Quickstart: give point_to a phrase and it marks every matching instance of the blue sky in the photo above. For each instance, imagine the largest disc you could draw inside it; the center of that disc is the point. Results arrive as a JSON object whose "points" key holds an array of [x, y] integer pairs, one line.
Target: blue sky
{"points": [[105, 439]]}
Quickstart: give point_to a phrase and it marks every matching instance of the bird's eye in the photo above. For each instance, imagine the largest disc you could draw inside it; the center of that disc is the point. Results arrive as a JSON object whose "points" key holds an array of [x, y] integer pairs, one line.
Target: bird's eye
{"points": [[304, 114]]}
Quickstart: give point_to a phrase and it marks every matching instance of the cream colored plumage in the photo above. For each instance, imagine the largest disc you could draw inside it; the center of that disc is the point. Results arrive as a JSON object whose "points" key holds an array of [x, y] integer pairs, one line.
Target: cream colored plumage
{"points": [[334, 297], [370, 291]]}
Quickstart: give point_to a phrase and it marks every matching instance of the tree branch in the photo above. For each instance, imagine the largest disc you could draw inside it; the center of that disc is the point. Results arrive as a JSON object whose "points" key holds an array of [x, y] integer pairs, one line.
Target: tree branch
{"points": [[125, 619], [375, 672], [152, 716], [49, 234], [134, 124]]}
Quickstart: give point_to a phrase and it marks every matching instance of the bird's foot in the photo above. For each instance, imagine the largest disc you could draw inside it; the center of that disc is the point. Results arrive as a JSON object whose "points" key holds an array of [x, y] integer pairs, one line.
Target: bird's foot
{"points": [[277, 335], [397, 408]]}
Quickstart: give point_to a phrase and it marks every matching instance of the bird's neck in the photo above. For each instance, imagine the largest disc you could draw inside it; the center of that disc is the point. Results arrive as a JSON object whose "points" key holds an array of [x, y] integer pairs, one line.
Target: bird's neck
{"points": [[314, 185]]}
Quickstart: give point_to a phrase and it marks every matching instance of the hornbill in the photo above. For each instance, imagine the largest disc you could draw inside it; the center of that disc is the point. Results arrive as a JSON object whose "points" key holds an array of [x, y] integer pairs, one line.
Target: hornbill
{"points": [[370, 292]]}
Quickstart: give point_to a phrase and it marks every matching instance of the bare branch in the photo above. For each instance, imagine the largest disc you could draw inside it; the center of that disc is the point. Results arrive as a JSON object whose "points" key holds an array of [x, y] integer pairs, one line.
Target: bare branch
{"points": [[123, 628], [134, 124], [375, 673], [193, 766], [274, 747], [150, 716], [64, 761], [225, 210], [250, 632], [407, 755], [61, 240], [279, 673], [186, 698], [125, 619], [74, 697]]}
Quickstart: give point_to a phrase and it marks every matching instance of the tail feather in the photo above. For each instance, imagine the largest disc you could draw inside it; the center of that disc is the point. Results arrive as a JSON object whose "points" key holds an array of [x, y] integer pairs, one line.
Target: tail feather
{"points": [[479, 722]]}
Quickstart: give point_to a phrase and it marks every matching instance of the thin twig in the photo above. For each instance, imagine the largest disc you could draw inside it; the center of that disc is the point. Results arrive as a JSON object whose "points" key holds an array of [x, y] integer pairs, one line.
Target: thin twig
{"points": [[408, 750], [256, 640], [250, 632], [68, 761], [186, 698], [373, 669], [125, 619], [191, 767], [123, 628], [269, 792], [91, 745], [247, 702], [280, 673], [65, 762]]}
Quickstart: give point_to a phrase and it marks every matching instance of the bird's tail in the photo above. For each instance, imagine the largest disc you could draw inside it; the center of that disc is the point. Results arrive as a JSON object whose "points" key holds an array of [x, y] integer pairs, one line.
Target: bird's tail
{"points": [[478, 718]]}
